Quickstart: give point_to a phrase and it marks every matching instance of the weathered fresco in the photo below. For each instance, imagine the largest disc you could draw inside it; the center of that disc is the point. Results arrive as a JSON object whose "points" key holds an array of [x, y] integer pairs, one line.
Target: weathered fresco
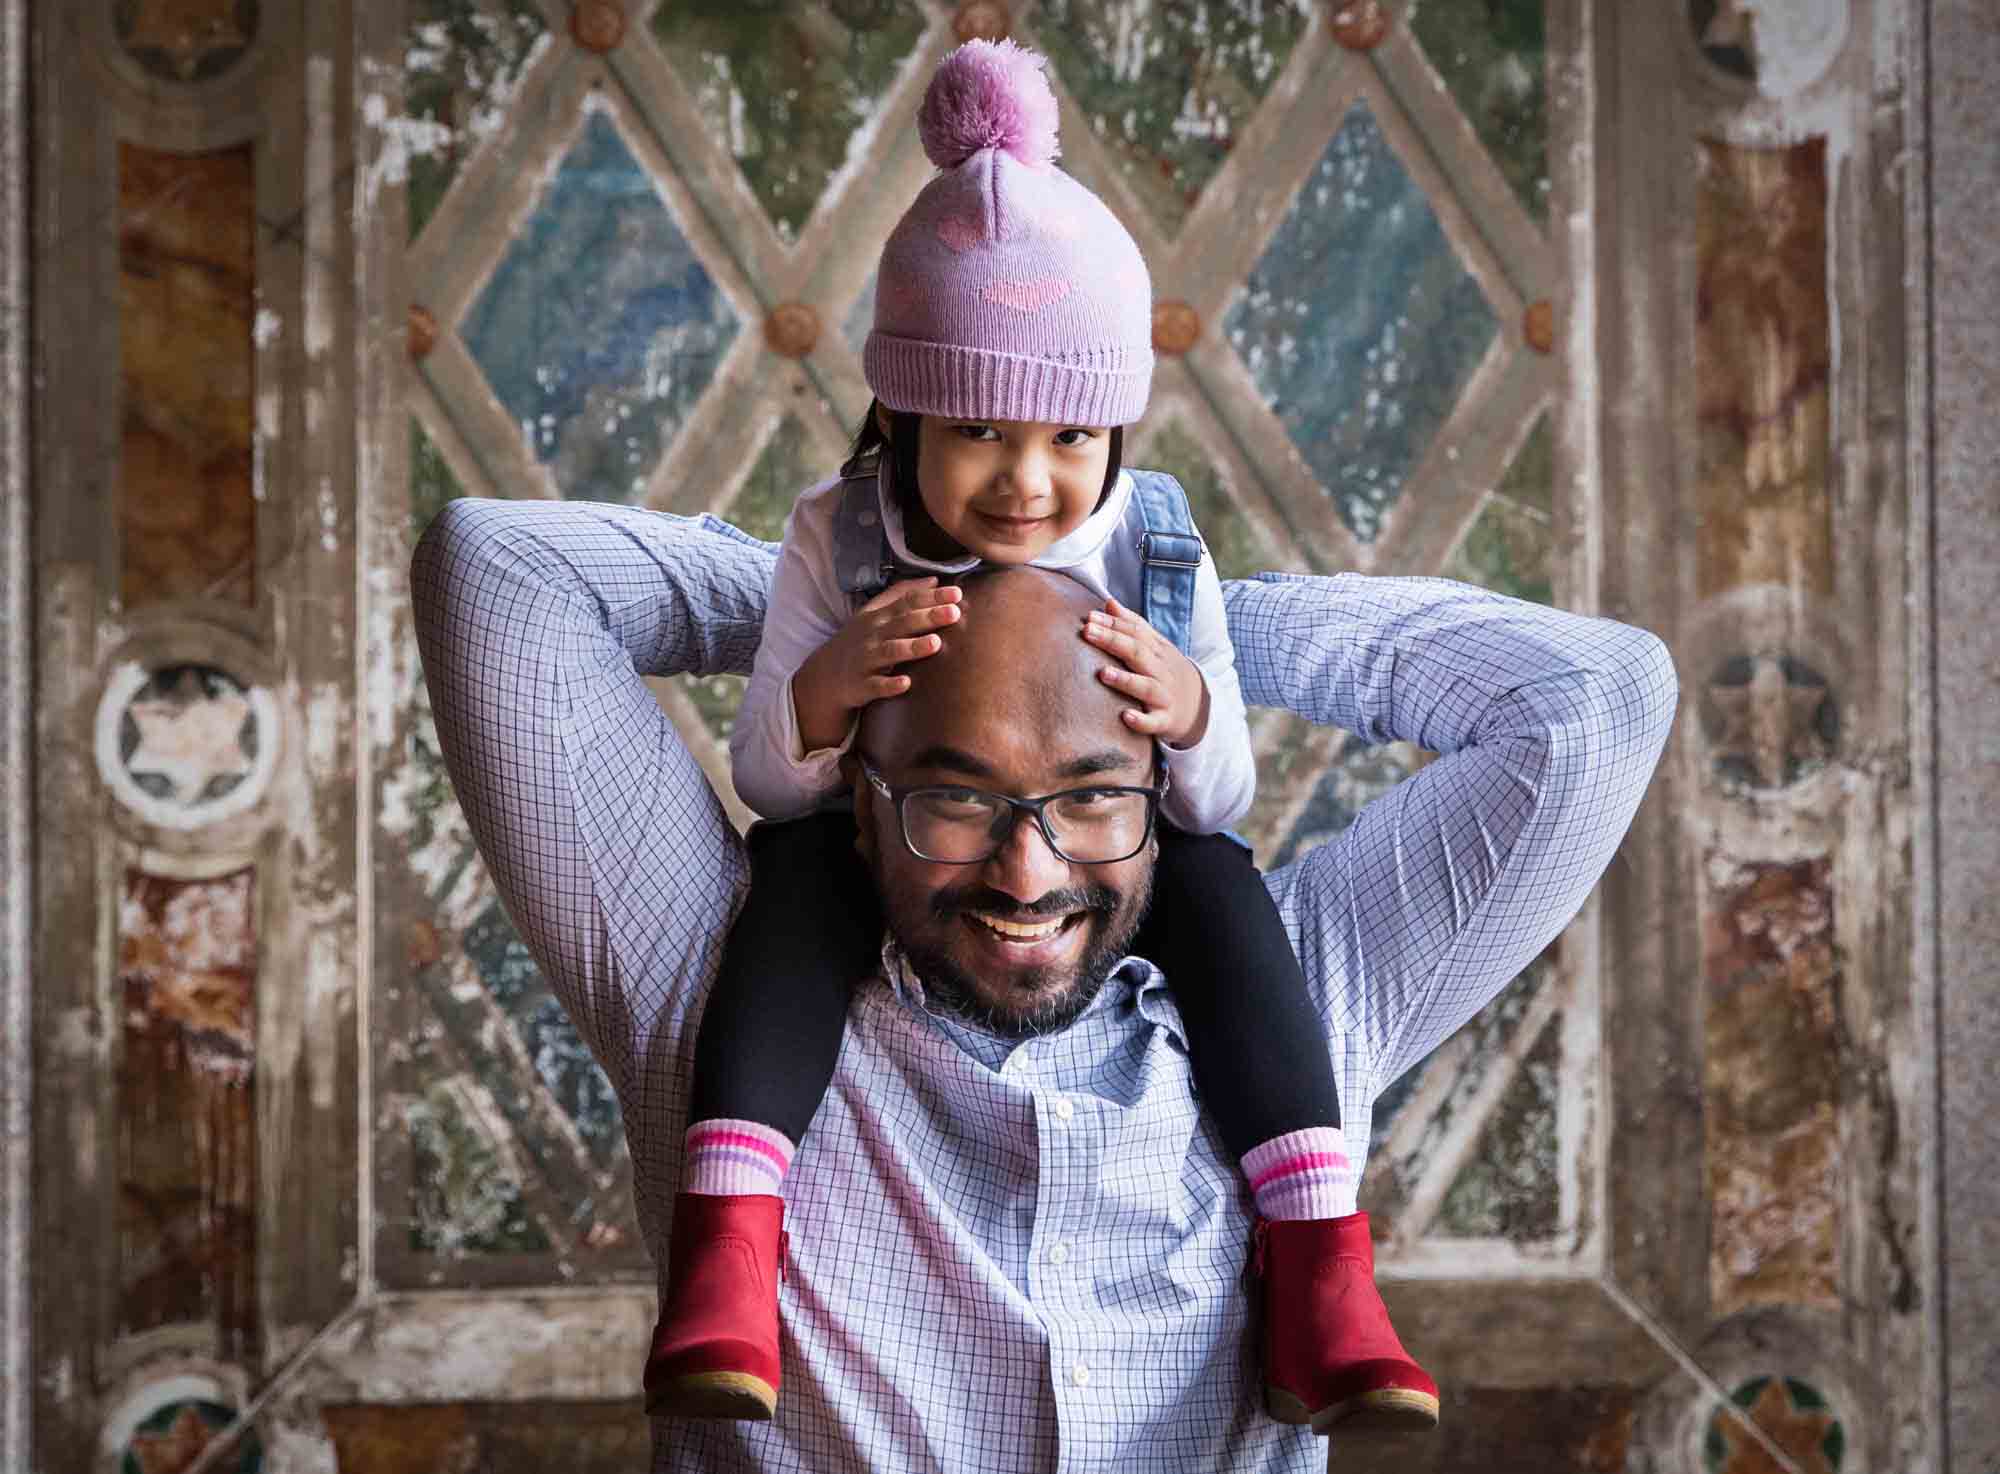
{"points": [[1598, 307]]}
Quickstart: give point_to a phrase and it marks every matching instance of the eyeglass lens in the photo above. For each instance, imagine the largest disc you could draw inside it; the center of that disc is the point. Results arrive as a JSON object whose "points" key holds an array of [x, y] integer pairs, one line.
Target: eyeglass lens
{"points": [[961, 825]]}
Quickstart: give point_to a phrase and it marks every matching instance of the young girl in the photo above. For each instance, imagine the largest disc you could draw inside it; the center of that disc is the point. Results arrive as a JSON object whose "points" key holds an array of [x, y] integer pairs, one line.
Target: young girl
{"points": [[1012, 342]]}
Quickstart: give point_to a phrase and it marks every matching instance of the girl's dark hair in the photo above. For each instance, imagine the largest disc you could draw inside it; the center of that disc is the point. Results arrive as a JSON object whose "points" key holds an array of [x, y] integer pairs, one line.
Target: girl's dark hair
{"points": [[902, 443]]}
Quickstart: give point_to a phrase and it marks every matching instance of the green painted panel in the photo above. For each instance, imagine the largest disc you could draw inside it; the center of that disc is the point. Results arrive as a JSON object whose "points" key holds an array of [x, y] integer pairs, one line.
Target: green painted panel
{"points": [[1509, 1187], [462, 64], [787, 88], [1232, 539], [1493, 56], [432, 483], [1167, 88]]}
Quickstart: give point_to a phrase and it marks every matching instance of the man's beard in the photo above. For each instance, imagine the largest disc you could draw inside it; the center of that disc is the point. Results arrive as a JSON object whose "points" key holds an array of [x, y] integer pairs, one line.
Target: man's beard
{"points": [[951, 989]]}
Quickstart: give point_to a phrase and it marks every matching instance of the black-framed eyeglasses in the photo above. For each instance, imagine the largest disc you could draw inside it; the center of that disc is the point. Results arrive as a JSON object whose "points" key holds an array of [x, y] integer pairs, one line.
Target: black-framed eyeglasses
{"points": [[951, 824]]}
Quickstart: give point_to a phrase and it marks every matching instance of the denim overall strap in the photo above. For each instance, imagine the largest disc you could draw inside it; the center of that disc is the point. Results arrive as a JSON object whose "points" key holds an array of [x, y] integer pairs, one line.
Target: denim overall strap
{"points": [[863, 561], [1170, 552]]}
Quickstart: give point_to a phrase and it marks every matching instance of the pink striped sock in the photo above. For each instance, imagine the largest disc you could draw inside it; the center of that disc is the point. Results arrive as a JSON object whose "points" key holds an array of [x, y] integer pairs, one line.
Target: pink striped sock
{"points": [[1303, 1174], [735, 1158]]}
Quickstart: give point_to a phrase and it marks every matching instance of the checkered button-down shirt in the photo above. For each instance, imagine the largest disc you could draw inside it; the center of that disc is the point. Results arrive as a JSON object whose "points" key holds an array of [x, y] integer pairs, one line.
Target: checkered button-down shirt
{"points": [[1011, 1255]]}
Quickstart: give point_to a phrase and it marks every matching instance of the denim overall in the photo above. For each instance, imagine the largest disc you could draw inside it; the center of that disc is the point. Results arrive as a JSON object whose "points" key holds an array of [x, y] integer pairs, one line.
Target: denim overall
{"points": [[1170, 549]]}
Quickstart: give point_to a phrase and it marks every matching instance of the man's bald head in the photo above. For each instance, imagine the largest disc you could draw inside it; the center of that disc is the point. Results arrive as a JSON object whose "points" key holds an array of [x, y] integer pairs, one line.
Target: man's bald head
{"points": [[1016, 652]]}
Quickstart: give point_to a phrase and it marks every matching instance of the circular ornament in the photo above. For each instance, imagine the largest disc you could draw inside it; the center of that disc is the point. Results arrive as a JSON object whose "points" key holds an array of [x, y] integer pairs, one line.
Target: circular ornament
{"points": [[185, 746], [1791, 1412], [597, 25], [185, 41], [175, 1434], [1176, 327], [1770, 720], [423, 332], [982, 20], [1538, 326], [1360, 25], [791, 329]]}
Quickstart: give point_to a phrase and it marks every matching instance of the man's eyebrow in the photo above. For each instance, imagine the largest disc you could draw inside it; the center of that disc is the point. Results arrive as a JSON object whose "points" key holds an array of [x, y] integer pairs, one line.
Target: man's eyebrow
{"points": [[957, 760]]}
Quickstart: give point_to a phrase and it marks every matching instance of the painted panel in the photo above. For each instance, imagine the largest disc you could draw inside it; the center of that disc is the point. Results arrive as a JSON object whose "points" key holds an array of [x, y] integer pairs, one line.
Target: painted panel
{"points": [[462, 65], [1772, 1065], [1167, 88], [1510, 546], [1362, 379], [187, 1141], [1509, 1189], [1233, 541], [1493, 56], [1763, 354], [791, 91], [187, 323], [432, 481], [600, 327]]}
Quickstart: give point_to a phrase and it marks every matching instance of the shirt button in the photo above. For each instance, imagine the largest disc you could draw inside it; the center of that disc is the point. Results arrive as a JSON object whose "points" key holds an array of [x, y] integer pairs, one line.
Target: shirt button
{"points": [[1059, 1254], [1064, 1110], [1080, 1374]]}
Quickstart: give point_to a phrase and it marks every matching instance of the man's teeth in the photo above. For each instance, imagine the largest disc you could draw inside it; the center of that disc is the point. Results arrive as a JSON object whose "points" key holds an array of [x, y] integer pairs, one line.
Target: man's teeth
{"points": [[1022, 931]]}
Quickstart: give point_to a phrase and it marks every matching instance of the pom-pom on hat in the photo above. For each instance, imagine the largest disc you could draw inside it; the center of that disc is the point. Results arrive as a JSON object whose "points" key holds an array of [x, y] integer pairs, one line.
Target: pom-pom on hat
{"points": [[1008, 291]]}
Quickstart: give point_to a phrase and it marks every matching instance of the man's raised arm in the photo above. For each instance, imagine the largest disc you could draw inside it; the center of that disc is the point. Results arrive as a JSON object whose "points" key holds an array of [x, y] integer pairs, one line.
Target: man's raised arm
{"points": [[1549, 726], [615, 860]]}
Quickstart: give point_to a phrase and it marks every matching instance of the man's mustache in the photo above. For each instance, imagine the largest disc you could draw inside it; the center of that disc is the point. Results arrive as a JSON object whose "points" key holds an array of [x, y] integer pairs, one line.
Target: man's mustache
{"points": [[989, 902]]}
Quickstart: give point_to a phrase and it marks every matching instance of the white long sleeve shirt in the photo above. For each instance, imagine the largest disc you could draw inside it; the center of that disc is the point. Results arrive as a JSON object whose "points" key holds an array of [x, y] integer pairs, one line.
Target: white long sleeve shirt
{"points": [[1213, 780]]}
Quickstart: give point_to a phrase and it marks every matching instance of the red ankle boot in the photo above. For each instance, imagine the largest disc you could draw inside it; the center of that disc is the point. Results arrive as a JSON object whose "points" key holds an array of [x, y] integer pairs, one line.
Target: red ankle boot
{"points": [[715, 1348], [1330, 1354]]}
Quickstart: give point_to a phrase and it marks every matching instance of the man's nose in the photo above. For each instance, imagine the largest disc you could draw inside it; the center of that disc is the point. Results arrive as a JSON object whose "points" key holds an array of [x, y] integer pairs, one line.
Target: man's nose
{"points": [[1024, 866]]}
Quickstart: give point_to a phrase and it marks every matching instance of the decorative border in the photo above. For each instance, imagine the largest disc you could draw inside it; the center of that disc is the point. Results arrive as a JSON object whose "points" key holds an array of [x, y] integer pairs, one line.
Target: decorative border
{"points": [[1953, 50], [16, 874]]}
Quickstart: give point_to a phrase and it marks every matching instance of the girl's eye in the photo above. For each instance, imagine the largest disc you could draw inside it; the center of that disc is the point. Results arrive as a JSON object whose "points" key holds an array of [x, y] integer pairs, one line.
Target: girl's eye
{"points": [[977, 432], [1073, 438]]}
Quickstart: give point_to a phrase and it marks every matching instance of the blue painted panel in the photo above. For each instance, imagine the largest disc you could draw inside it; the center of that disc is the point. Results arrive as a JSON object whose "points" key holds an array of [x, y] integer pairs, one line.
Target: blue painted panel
{"points": [[1359, 324], [600, 327]]}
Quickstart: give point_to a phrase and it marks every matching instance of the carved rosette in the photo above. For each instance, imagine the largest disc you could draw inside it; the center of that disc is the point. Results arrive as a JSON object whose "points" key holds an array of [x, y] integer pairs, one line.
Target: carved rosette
{"points": [[982, 20], [1176, 327], [597, 25], [791, 330], [1360, 25], [185, 746]]}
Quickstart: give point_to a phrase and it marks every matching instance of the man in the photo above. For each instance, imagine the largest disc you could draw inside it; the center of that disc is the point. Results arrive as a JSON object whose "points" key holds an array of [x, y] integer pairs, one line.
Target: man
{"points": [[1027, 1248]]}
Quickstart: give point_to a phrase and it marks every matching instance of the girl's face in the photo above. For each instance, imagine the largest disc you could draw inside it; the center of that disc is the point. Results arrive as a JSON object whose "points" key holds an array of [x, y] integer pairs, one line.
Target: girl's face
{"points": [[1006, 490]]}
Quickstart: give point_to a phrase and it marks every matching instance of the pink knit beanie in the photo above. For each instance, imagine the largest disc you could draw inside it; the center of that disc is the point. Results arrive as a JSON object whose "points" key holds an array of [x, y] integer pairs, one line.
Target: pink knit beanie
{"points": [[1008, 291]]}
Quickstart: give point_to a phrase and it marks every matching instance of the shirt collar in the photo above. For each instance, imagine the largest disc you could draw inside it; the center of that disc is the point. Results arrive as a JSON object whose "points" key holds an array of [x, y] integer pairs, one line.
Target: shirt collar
{"points": [[1079, 547]]}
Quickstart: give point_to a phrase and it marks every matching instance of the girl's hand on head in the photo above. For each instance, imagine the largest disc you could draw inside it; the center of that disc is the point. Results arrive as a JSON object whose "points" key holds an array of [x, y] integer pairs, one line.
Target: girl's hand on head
{"points": [[855, 666], [1172, 696]]}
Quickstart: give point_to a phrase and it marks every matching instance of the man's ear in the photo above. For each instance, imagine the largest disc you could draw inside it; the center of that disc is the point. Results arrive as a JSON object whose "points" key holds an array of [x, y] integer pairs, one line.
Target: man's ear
{"points": [[857, 785]]}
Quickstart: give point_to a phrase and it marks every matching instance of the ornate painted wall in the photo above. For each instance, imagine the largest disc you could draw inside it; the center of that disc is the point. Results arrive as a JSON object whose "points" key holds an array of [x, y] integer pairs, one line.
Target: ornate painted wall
{"points": [[1589, 305]]}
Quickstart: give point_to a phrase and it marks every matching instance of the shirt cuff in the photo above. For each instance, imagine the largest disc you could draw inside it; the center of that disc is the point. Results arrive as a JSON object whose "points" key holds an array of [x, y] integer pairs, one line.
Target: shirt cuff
{"points": [[824, 759]]}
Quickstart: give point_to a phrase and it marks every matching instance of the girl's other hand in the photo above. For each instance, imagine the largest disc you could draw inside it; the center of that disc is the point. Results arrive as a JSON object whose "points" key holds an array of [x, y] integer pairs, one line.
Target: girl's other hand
{"points": [[854, 667], [1172, 696]]}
